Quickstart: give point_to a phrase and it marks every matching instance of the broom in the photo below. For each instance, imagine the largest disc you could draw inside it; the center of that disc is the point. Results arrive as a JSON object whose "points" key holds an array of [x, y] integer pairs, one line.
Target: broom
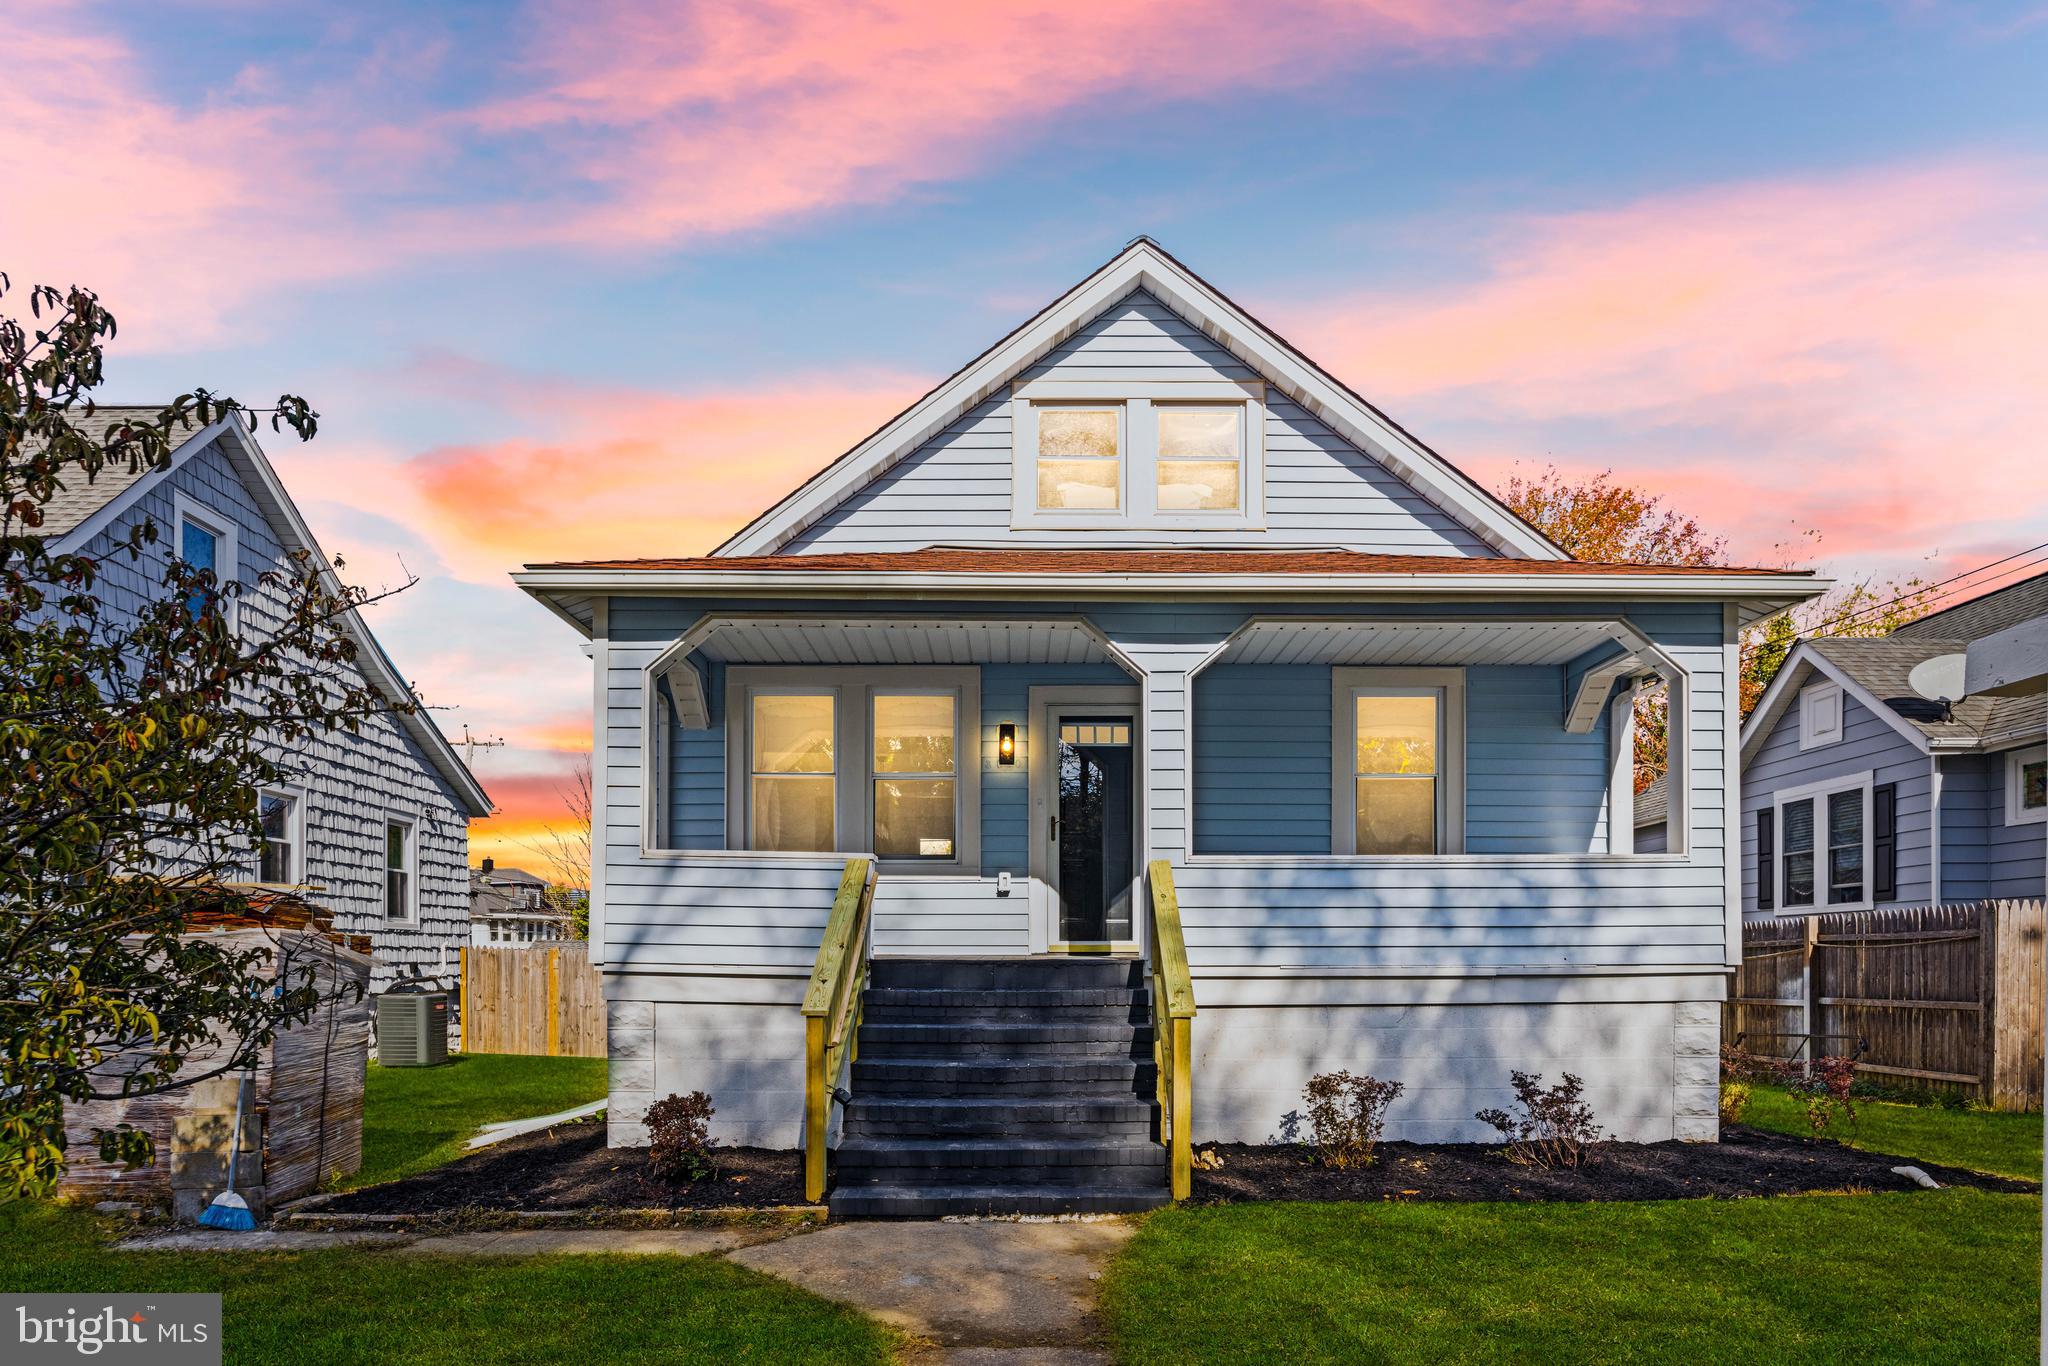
{"points": [[229, 1210]]}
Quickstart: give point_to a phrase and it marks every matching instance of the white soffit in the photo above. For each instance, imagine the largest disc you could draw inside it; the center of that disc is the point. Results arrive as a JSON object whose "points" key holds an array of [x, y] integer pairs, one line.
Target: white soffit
{"points": [[822, 640], [1401, 642]]}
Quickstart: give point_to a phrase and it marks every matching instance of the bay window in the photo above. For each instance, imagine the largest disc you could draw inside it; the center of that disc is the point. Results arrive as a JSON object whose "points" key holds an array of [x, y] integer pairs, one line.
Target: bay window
{"points": [[849, 760]]}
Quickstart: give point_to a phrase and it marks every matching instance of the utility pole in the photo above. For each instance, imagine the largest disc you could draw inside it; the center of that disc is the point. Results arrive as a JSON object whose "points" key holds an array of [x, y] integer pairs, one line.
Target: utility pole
{"points": [[472, 743]]}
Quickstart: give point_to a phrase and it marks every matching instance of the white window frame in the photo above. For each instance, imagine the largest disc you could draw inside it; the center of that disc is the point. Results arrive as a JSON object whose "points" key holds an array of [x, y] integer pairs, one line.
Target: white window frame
{"points": [[228, 562], [296, 821], [1864, 782], [1138, 447], [1821, 719], [2015, 760], [1348, 684], [411, 825], [853, 689]]}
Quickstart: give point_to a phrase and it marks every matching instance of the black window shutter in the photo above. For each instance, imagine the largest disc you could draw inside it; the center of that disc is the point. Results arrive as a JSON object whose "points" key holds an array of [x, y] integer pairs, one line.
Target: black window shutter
{"points": [[1766, 860], [1884, 842]]}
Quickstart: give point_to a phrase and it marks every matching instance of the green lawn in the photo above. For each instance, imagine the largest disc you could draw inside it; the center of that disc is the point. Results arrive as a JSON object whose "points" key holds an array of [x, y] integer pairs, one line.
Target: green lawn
{"points": [[420, 1117], [382, 1305], [1982, 1140], [1948, 1276]]}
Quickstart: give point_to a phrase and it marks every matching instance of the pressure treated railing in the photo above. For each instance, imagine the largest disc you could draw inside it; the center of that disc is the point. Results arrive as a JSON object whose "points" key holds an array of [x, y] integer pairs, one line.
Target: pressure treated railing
{"points": [[1173, 1022], [832, 1011]]}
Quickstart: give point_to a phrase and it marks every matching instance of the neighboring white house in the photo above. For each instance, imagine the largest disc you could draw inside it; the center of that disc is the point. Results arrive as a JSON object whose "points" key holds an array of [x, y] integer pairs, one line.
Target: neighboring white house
{"points": [[509, 907], [373, 825], [1139, 583]]}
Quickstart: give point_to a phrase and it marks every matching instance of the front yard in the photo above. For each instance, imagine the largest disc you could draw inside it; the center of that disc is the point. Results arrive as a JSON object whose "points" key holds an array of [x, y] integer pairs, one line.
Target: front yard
{"points": [[382, 1304], [1933, 1276]]}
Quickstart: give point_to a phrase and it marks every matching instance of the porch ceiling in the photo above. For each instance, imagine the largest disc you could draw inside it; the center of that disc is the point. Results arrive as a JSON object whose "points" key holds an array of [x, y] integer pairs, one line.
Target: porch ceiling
{"points": [[827, 640], [1534, 641]]}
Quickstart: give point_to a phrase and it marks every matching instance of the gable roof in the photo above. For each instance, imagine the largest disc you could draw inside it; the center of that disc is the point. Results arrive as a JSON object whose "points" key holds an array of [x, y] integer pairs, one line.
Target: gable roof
{"points": [[1877, 673], [79, 499], [1985, 615], [1145, 265], [111, 498]]}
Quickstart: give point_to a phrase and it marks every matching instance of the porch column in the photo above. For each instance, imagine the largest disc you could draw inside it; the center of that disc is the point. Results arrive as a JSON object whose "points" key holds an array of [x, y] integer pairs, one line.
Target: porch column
{"points": [[1166, 657]]}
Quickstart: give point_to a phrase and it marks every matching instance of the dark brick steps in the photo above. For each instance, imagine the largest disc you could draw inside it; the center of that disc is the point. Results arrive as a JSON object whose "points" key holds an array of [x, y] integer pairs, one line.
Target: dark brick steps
{"points": [[1001, 1086]]}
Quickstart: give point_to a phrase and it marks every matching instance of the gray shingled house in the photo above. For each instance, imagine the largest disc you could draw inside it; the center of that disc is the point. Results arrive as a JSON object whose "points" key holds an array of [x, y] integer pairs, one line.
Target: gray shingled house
{"points": [[375, 824]]}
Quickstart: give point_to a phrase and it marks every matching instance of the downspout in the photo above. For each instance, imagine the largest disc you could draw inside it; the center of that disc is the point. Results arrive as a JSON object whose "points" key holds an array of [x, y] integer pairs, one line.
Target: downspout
{"points": [[1933, 831]]}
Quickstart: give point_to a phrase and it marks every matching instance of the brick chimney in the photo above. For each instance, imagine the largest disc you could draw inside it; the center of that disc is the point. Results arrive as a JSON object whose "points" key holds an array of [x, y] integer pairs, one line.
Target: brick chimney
{"points": [[490, 865]]}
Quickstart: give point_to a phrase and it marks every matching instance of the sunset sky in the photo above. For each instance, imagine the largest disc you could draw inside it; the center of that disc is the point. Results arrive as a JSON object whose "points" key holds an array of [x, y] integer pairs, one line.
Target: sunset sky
{"points": [[583, 278]]}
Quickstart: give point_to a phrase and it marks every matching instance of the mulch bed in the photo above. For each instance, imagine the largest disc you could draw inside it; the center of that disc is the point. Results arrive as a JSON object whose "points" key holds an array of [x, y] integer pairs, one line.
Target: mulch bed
{"points": [[569, 1168], [1745, 1162]]}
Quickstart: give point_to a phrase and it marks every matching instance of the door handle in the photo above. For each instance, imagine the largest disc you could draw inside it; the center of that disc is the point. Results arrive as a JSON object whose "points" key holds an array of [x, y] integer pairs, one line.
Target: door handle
{"points": [[1055, 829]]}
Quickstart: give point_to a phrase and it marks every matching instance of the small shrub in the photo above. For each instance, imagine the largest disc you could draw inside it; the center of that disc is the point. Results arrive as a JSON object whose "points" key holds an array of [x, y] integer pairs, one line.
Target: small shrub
{"points": [[1553, 1127], [679, 1138], [1734, 1101], [1346, 1116], [1823, 1086], [1737, 1065]]}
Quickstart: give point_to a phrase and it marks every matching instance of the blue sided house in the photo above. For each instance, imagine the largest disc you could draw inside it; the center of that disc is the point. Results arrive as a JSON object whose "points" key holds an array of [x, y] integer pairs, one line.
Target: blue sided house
{"points": [[1872, 778], [1135, 726]]}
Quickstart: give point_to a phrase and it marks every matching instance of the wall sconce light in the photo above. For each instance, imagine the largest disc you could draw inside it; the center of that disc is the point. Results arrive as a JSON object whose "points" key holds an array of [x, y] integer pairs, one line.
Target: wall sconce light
{"points": [[1006, 743]]}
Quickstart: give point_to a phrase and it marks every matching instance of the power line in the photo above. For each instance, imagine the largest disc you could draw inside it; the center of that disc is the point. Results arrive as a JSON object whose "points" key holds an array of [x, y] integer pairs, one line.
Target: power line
{"points": [[1837, 625]]}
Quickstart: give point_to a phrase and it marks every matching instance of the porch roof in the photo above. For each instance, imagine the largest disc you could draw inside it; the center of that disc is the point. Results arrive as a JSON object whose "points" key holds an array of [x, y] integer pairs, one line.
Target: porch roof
{"points": [[1395, 642]]}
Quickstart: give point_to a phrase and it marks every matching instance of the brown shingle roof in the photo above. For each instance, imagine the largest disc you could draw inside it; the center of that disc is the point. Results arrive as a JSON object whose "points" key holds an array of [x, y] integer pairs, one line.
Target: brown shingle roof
{"points": [[947, 560], [80, 497]]}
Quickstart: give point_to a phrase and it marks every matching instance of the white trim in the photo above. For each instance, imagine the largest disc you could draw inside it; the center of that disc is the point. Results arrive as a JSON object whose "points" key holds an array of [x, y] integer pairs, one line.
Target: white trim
{"points": [[1757, 596], [1771, 707], [1820, 715], [1143, 265], [73, 540], [1347, 684], [1024, 508], [2015, 761], [1043, 703], [1621, 773], [411, 825], [297, 834], [1818, 793], [600, 779], [1732, 816], [853, 688], [1935, 787], [227, 566]]}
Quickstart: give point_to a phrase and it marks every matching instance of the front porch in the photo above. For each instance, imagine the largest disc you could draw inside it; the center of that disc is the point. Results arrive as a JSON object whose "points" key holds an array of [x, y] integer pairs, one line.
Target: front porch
{"points": [[1402, 841]]}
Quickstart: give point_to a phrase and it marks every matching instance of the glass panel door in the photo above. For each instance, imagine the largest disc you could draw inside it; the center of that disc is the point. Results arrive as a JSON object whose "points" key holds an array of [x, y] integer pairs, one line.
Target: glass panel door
{"points": [[1093, 829]]}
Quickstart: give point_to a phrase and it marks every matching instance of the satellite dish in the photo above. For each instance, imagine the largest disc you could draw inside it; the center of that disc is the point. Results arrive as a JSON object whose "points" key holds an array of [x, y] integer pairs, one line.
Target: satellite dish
{"points": [[1939, 679]]}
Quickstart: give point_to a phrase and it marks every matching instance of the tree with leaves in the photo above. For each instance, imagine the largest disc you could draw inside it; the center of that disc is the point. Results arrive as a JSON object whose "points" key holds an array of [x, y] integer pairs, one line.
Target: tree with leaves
{"points": [[1597, 518], [134, 745]]}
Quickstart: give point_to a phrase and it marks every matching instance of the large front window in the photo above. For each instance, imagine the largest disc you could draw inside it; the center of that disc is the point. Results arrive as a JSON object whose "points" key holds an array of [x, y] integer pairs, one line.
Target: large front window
{"points": [[792, 777], [850, 760], [915, 774]]}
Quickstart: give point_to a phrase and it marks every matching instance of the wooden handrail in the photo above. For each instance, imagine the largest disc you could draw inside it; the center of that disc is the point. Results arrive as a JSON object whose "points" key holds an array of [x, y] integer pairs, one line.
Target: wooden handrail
{"points": [[1173, 1016], [832, 1011]]}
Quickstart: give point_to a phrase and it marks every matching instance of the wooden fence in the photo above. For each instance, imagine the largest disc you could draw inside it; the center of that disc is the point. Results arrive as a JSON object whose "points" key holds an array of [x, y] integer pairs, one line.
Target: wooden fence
{"points": [[1948, 997], [545, 1001]]}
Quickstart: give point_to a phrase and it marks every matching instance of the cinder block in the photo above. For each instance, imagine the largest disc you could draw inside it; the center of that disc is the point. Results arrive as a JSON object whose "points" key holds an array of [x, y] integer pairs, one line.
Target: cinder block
{"points": [[1690, 1013], [1696, 1070], [1695, 1041], [628, 1044], [1696, 1129], [630, 1015], [635, 1074], [1696, 1100]]}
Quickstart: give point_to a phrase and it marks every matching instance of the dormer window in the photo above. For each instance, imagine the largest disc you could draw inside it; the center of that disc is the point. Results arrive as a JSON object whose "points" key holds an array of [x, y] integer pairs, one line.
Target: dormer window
{"points": [[1184, 455]]}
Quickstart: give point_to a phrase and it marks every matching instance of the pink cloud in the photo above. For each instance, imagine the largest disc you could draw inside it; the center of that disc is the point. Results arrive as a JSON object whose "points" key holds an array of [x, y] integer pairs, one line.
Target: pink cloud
{"points": [[733, 115], [1859, 354], [635, 124]]}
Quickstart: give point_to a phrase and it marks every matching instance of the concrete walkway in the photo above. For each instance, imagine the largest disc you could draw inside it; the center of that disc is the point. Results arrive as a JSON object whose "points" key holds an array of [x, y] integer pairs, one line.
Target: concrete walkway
{"points": [[990, 1291], [980, 1293]]}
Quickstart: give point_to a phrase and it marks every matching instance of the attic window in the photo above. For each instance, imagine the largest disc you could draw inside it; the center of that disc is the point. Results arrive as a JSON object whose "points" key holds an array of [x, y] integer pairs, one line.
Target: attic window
{"points": [[1156, 454]]}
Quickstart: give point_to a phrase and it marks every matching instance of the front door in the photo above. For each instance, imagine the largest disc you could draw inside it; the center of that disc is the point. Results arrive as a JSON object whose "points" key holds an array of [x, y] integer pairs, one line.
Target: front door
{"points": [[1092, 826]]}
